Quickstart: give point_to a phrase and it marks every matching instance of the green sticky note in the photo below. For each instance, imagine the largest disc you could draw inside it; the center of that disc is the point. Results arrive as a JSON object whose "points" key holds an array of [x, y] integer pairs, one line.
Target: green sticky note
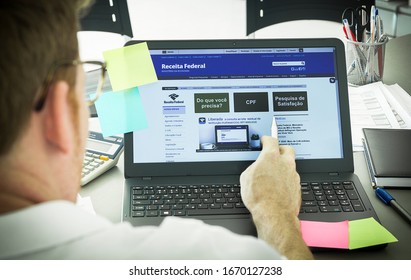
{"points": [[130, 66], [368, 232], [121, 112]]}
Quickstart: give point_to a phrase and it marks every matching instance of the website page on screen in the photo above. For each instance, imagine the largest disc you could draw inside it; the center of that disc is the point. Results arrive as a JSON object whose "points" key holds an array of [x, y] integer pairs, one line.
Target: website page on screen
{"points": [[215, 104]]}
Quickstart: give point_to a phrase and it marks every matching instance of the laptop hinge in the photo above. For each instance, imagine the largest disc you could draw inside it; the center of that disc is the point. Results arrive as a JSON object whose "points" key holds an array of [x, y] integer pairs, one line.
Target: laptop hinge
{"points": [[333, 174], [147, 178]]}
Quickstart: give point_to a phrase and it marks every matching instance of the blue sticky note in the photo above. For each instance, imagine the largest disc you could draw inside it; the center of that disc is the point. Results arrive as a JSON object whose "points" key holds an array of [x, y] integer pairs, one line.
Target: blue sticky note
{"points": [[120, 112]]}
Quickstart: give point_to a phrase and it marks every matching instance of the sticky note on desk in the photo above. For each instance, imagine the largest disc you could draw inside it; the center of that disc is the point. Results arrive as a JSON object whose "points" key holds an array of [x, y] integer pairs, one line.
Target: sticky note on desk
{"points": [[130, 66], [345, 235], [325, 235], [368, 232], [121, 112]]}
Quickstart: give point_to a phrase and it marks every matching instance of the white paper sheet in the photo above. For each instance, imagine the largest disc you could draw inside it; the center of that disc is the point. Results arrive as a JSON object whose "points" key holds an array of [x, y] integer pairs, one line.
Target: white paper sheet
{"points": [[369, 108]]}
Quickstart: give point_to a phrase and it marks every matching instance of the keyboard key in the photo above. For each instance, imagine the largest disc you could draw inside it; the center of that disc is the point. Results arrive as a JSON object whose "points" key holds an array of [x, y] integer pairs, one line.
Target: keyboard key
{"points": [[330, 209], [348, 185], [333, 202], [222, 211], [310, 209], [352, 194], [307, 196], [179, 213], [357, 206], [177, 207], [152, 213], [345, 202], [308, 203], [239, 205], [347, 208], [228, 205], [166, 213], [141, 202], [137, 214], [322, 203]]}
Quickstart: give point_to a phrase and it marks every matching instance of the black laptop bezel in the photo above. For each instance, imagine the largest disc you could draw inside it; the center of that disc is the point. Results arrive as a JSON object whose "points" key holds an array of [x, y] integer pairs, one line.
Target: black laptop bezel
{"points": [[344, 164]]}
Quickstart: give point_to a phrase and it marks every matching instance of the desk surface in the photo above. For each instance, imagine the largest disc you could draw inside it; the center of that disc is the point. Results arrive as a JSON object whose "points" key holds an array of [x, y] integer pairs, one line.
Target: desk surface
{"points": [[106, 196]]}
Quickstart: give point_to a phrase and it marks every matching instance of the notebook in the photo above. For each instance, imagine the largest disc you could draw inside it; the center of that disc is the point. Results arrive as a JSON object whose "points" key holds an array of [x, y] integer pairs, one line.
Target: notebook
{"points": [[388, 166], [234, 88]]}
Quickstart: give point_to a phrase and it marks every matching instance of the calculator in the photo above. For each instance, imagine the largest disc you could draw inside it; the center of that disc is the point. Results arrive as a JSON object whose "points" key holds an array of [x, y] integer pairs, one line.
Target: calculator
{"points": [[102, 153]]}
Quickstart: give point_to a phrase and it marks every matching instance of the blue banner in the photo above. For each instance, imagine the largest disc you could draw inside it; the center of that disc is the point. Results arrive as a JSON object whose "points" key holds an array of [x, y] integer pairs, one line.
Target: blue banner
{"points": [[226, 66]]}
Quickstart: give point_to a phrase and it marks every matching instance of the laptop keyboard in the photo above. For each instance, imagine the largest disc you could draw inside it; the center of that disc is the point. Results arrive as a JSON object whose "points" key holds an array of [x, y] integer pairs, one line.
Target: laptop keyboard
{"points": [[187, 200], [330, 197], [225, 199]]}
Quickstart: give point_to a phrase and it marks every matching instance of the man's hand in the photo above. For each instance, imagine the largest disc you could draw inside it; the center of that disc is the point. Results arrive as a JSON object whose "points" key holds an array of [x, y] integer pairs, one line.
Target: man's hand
{"points": [[272, 180], [270, 189]]}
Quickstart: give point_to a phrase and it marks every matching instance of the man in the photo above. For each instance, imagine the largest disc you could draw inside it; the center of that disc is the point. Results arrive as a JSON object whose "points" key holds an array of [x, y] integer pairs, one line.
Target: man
{"points": [[43, 123]]}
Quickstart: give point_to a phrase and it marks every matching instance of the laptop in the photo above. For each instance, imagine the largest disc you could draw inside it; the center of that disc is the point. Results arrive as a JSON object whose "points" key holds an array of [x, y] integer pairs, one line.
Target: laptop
{"points": [[216, 92]]}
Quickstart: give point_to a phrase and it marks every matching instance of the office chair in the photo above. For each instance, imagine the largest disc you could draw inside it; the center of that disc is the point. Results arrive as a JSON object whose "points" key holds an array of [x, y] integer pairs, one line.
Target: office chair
{"points": [[111, 20], [262, 13], [108, 16]]}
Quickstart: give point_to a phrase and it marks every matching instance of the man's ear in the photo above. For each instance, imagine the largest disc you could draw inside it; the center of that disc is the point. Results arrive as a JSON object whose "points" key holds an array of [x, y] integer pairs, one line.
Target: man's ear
{"points": [[58, 117]]}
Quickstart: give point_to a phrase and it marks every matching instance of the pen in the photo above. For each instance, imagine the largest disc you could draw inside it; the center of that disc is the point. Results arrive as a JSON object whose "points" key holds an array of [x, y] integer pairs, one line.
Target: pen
{"points": [[372, 23], [389, 200], [347, 30], [370, 61], [274, 128], [363, 22], [356, 51]]}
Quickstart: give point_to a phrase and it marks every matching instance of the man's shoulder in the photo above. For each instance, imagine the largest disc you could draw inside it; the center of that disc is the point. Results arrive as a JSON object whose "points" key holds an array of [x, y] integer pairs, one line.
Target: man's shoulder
{"points": [[45, 225]]}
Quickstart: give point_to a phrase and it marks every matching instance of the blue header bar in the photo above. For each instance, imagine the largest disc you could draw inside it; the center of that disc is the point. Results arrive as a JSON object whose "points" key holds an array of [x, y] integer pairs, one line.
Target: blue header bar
{"points": [[243, 63]]}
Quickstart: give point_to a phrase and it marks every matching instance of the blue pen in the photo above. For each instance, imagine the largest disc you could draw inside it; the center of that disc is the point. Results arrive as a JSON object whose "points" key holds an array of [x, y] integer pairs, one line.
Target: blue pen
{"points": [[389, 200]]}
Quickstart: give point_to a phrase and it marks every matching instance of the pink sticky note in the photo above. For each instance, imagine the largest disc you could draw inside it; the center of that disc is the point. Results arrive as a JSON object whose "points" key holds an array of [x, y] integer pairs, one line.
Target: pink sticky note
{"points": [[325, 234]]}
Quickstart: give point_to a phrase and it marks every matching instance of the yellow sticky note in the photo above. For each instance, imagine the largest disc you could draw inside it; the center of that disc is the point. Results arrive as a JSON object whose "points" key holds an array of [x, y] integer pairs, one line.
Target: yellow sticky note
{"points": [[368, 232], [130, 66]]}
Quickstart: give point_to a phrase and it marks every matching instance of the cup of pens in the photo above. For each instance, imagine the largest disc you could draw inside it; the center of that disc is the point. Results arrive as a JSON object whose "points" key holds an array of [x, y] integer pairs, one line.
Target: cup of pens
{"points": [[365, 46], [365, 61]]}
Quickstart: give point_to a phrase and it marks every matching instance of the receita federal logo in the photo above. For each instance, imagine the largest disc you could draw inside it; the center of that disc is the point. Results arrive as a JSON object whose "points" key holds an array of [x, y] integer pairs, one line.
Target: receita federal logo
{"points": [[173, 96]]}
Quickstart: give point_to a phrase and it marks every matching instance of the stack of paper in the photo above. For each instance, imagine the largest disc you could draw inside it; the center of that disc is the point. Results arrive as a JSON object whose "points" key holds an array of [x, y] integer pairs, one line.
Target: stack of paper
{"points": [[378, 105]]}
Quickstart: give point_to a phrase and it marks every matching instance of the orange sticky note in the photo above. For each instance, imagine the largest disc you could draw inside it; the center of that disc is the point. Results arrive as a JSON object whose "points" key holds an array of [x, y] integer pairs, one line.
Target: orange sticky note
{"points": [[325, 235]]}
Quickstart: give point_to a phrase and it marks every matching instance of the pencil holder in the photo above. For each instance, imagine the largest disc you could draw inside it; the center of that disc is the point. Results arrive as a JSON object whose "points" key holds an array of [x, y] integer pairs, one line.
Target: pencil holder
{"points": [[365, 61]]}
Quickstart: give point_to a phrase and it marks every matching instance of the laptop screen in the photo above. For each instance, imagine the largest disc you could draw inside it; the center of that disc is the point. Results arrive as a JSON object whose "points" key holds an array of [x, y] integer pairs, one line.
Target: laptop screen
{"points": [[231, 136], [209, 98]]}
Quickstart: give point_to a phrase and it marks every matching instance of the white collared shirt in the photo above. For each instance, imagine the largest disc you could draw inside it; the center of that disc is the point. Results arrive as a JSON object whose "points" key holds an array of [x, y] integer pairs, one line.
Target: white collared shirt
{"points": [[61, 230]]}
